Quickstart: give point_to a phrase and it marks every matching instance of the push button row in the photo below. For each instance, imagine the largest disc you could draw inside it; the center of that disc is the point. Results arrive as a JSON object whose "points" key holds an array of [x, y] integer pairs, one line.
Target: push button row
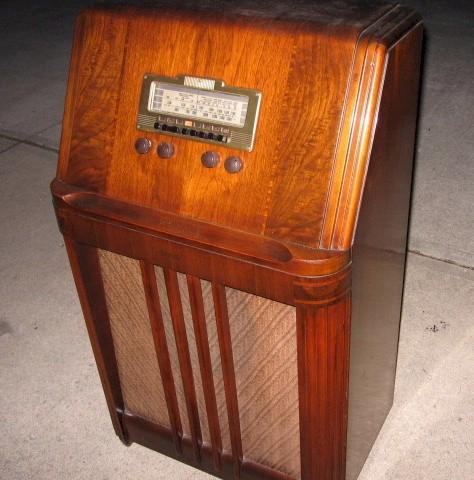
{"points": [[190, 131]]}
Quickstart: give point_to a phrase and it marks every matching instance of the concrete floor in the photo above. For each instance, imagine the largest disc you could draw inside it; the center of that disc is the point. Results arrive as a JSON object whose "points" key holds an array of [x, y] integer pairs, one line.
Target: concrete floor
{"points": [[54, 422]]}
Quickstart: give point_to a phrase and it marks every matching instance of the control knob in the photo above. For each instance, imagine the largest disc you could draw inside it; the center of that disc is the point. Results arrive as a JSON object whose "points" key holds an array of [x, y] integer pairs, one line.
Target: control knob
{"points": [[210, 159], [166, 150], [142, 145], [233, 164]]}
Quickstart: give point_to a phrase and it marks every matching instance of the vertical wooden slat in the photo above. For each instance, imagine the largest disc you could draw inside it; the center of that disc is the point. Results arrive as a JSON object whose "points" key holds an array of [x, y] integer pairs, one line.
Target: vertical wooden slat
{"points": [[322, 332], [225, 347], [179, 328], [86, 271], [161, 348], [205, 363], [346, 342]]}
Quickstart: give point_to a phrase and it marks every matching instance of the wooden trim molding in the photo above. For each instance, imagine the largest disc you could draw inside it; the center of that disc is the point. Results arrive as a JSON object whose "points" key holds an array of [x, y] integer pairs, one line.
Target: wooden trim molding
{"points": [[162, 352], [202, 342], [88, 279], [184, 357], [357, 129], [323, 375], [227, 360], [71, 201], [158, 438]]}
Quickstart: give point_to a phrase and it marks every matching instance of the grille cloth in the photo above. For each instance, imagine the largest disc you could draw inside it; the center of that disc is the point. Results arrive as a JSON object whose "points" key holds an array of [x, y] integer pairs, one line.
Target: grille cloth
{"points": [[263, 336], [264, 348], [140, 378]]}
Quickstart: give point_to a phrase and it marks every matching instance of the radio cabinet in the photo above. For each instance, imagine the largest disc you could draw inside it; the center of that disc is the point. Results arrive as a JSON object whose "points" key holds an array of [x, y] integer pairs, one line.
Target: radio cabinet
{"points": [[233, 188]]}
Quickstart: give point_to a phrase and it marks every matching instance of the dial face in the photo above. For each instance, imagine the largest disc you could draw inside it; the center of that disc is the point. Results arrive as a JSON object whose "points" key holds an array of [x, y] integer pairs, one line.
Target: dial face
{"points": [[210, 106], [199, 109]]}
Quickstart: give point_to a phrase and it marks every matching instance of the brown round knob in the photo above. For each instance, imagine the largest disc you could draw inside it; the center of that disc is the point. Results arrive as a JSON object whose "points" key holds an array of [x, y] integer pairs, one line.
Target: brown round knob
{"points": [[233, 164], [166, 150], [143, 145], [210, 159]]}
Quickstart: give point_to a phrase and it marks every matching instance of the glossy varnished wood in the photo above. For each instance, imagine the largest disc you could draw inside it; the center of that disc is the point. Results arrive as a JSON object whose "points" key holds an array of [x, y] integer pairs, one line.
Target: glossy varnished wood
{"points": [[304, 136], [379, 252], [92, 99], [340, 86], [157, 438], [86, 270], [293, 259], [161, 347], [225, 346], [202, 341], [358, 126], [184, 359], [323, 331]]}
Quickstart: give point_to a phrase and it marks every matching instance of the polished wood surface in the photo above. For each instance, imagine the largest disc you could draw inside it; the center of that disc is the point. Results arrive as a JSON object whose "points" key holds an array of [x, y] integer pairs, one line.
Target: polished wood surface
{"points": [[87, 276], [205, 362], [92, 208], [162, 352], [184, 358], [379, 252], [321, 86], [203, 291]]}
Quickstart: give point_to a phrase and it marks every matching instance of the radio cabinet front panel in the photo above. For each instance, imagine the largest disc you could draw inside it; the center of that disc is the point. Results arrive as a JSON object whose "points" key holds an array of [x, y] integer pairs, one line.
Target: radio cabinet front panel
{"points": [[263, 338], [211, 172]]}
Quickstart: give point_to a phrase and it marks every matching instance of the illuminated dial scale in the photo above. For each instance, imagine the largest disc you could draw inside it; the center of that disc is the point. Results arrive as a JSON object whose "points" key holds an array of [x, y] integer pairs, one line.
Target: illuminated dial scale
{"points": [[200, 109], [217, 107]]}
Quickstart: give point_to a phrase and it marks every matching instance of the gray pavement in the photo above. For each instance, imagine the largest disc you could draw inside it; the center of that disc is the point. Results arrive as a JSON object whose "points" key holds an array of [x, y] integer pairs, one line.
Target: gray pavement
{"points": [[54, 422]]}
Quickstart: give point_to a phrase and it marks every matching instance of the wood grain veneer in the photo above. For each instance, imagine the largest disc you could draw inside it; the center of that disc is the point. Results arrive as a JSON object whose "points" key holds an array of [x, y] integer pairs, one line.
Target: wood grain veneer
{"points": [[245, 324], [323, 80]]}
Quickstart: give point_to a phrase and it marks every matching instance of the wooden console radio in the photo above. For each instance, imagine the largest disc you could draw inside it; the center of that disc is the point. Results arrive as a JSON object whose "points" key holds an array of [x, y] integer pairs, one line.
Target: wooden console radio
{"points": [[233, 188]]}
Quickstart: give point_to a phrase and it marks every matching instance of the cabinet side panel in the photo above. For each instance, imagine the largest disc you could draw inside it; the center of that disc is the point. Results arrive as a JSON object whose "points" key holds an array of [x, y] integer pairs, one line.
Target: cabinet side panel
{"points": [[379, 253]]}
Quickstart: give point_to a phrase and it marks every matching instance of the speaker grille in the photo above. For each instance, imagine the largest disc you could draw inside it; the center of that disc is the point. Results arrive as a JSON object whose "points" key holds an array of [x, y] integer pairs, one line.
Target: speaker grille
{"points": [[264, 347], [227, 358], [142, 388]]}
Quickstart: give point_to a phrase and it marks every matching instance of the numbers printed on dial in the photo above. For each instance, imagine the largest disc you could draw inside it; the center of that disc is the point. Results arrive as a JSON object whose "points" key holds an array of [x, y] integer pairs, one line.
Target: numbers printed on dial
{"points": [[200, 109], [212, 106]]}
